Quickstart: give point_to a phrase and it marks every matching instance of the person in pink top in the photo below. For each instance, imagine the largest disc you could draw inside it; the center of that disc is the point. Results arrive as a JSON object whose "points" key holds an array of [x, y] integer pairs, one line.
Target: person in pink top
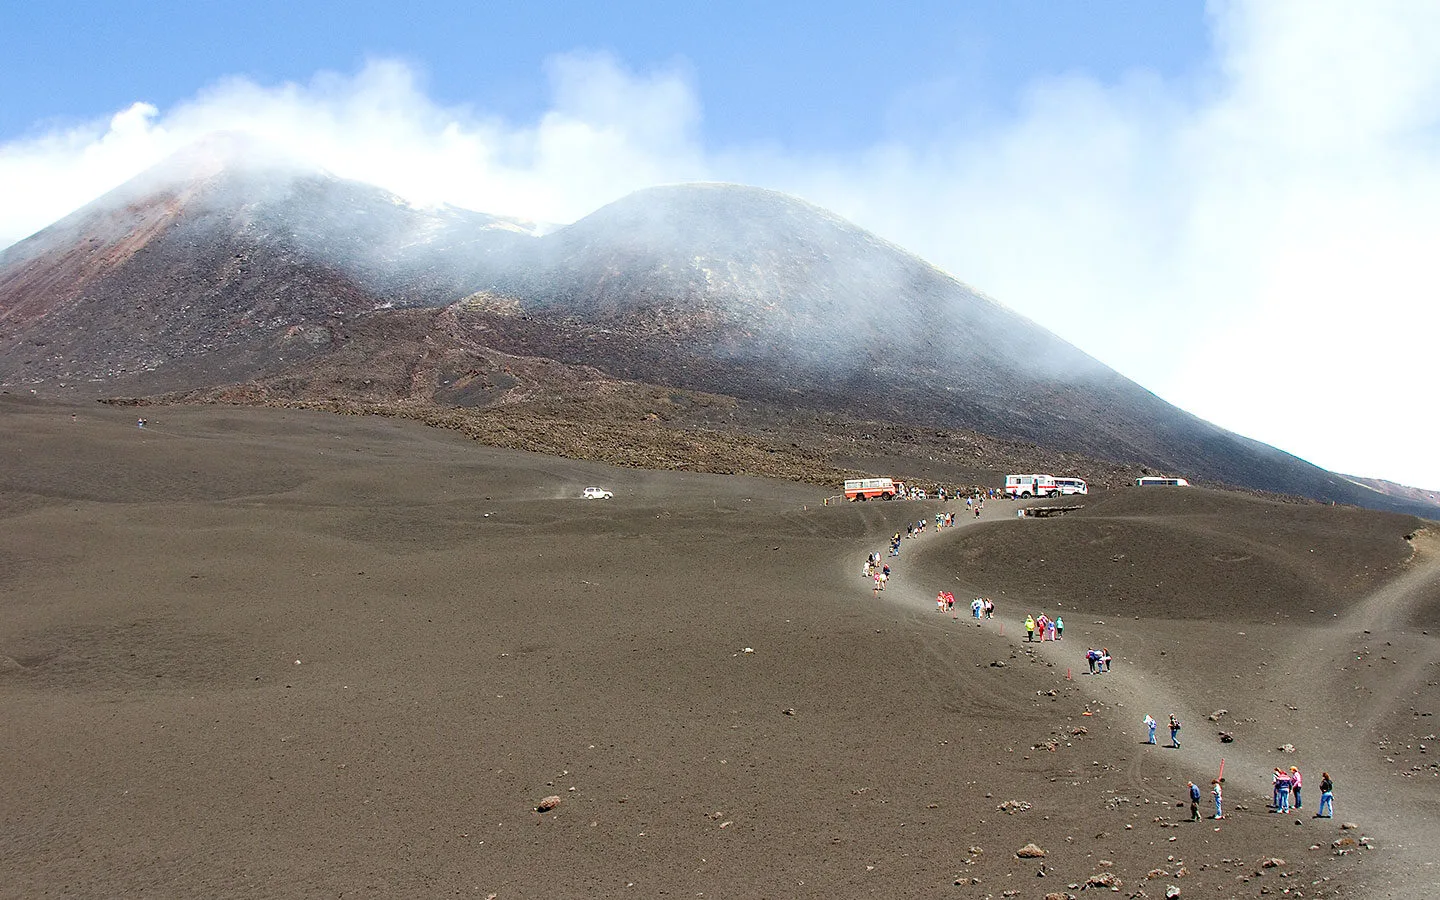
{"points": [[1295, 785]]}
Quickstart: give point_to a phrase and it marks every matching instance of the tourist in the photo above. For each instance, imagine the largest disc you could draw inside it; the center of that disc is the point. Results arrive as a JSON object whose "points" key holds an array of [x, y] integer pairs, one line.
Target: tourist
{"points": [[1327, 797], [1029, 629], [1295, 786], [1150, 723], [1104, 659], [949, 602], [940, 601], [1194, 800], [989, 608], [1280, 802], [1059, 628], [1174, 732], [1215, 789]]}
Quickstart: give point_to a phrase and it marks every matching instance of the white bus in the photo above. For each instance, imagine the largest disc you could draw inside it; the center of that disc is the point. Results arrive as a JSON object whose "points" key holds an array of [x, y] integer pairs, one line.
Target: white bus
{"points": [[873, 488], [1072, 486], [1023, 487], [1160, 479]]}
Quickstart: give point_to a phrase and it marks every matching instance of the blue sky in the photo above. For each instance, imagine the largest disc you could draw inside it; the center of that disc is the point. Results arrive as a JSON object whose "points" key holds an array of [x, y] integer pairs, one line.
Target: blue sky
{"points": [[1231, 203], [812, 76]]}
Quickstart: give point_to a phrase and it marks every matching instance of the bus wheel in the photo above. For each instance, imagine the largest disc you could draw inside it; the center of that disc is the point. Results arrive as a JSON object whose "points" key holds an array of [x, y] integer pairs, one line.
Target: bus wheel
{"points": [[1025, 495]]}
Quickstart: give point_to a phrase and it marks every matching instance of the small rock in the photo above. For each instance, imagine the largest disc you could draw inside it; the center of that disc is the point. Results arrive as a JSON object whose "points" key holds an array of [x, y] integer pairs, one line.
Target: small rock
{"points": [[1286, 748], [997, 664], [1171, 892], [1349, 826], [1030, 851], [1272, 862], [547, 804]]}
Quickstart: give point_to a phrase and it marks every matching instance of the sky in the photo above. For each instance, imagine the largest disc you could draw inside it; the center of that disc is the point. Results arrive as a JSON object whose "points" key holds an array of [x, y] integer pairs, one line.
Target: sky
{"points": [[1234, 204]]}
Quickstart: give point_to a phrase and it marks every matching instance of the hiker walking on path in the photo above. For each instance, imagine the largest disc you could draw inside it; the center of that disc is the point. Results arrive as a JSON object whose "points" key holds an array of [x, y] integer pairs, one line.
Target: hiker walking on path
{"points": [[1194, 801], [1219, 813], [1174, 732], [1029, 629], [1295, 786], [1150, 723], [1059, 628], [1327, 797]]}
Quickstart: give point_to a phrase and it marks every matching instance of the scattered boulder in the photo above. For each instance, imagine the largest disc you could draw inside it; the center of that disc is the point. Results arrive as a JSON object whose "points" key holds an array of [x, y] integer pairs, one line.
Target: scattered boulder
{"points": [[1215, 716], [997, 664], [1227, 738], [1271, 862], [547, 804], [1103, 879], [1286, 748], [1030, 851], [1349, 826], [1013, 806], [1171, 892]]}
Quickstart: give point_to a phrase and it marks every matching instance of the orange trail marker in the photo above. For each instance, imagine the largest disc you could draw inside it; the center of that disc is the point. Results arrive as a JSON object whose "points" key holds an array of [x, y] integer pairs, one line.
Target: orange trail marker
{"points": [[1222, 769], [1067, 675]]}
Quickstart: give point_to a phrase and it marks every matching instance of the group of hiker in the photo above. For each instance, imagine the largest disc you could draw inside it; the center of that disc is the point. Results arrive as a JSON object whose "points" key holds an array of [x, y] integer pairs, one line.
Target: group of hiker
{"points": [[1048, 629], [1285, 786], [980, 607]]}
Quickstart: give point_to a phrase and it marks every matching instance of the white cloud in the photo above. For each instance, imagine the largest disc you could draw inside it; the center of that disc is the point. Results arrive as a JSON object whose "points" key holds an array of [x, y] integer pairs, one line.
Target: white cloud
{"points": [[609, 131], [1252, 243]]}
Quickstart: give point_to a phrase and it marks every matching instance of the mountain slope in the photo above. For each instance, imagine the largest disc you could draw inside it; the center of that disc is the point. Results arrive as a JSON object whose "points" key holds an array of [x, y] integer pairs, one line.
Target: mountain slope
{"points": [[212, 270]]}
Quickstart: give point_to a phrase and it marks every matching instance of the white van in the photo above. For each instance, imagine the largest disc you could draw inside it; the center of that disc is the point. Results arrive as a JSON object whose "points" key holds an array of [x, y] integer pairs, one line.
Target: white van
{"points": [[1069, 486], [1159, 479]]}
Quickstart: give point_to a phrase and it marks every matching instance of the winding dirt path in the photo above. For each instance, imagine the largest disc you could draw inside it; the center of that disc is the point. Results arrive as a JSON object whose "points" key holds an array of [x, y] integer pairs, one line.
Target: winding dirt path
{"points": [[1401, 818]]}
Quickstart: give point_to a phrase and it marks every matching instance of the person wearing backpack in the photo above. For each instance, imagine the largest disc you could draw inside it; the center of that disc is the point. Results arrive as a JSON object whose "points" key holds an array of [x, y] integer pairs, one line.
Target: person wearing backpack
{"points": [[1174, 732]]}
